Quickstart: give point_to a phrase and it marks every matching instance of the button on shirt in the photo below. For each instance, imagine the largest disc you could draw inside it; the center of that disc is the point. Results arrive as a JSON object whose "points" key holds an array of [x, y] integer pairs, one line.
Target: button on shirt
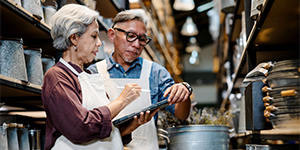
{"points": [[160, 79]]}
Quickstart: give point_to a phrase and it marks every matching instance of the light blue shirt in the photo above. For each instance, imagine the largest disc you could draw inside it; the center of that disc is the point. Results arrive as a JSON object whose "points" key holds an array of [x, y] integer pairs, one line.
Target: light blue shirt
{"points": [[160, 79]]}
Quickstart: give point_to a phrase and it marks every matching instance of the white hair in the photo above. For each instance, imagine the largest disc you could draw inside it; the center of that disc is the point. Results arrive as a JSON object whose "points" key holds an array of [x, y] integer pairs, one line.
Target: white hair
{"points": [[132, 14], [70, 19]]}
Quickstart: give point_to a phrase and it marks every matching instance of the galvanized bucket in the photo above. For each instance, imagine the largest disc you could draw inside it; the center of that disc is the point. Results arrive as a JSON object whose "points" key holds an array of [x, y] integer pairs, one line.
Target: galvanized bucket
{"points": [[18, 2], [49, 11], [12, 61], [12, 138], [47, 62], [200, 137], [3, 138], [34, 66], [34, 7], [23, 139]]}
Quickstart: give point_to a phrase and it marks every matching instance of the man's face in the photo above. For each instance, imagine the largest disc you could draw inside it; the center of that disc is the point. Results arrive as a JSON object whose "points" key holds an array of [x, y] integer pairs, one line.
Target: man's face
{"points": [[124, 50]]}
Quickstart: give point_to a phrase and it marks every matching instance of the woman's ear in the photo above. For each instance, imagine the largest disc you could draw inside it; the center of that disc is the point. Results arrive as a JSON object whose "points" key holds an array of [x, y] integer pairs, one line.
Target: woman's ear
{"points": [[111, 35], [74, 39]]}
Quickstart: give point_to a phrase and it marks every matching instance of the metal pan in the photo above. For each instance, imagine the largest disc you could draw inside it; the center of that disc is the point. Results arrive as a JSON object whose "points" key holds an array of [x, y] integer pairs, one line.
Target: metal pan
{"points": [[287, 62]]}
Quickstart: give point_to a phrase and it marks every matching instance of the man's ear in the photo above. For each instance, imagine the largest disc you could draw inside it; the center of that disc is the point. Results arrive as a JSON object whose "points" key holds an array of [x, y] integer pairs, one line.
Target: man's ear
{"points": [[111, 35], [74, 39]]}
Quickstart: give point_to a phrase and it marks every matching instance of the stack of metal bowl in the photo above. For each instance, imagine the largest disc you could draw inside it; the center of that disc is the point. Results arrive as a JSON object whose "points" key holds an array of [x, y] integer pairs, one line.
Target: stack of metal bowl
{"points": [[282, 101]]}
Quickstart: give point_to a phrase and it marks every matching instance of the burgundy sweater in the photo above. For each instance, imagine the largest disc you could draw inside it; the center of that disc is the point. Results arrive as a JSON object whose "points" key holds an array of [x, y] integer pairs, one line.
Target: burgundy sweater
{"points": [[62, 100]]}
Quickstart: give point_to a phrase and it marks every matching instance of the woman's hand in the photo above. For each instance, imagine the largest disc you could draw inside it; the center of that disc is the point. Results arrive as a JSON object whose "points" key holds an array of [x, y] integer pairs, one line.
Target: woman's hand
{"points": [[136, 122], [131, 92]]}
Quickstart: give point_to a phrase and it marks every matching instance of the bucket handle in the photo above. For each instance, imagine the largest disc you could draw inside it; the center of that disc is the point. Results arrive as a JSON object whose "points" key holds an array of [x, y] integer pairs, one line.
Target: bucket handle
{"points": [[165, 137]]}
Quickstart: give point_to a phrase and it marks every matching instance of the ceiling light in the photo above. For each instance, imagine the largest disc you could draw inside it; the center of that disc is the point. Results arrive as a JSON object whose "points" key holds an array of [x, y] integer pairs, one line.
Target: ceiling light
{"points": [[205, 7], [184, 5], [193, 46], [189, 28], [194, 58]]}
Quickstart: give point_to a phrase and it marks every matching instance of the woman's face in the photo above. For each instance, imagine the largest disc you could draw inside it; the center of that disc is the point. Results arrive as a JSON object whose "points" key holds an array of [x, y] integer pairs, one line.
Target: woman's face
{"points": [[124, 50], [88, 44]]}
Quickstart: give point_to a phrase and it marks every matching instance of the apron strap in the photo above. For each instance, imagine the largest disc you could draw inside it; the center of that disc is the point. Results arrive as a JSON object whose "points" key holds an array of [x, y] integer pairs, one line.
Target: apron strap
{"points": [[102, 69], [69, 66], [146, 69]]}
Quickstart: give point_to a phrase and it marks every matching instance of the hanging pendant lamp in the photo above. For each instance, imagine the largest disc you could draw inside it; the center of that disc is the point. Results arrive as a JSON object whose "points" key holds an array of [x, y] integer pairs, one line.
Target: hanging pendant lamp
{"points": [[184, 5], [193, 46], [189, 28]]}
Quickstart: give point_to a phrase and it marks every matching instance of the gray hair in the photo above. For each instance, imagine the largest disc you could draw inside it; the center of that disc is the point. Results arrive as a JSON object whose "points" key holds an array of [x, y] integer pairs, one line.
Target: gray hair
{"points": [[70, 19], [132, 14]]}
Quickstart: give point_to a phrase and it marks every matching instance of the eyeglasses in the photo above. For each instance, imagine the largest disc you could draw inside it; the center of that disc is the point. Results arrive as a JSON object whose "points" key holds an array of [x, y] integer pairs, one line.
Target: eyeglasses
{"points": [[131, 37]]}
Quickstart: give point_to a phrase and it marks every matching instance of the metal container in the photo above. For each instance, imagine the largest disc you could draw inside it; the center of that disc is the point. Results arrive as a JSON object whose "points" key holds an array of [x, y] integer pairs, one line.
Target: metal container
{"points": [[34, 66], [47, 62], [23, 139], [257, 147], [12, 138], [12, 61], [49, 11], [200, 137], [35, 139], [34, 7], [18, 2], [3, 138], [227, 6]]}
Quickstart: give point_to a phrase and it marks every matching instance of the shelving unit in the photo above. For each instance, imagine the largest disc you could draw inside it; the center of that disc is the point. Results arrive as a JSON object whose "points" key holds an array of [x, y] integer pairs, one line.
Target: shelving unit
{"points": [[16, 22], [273, 37]]}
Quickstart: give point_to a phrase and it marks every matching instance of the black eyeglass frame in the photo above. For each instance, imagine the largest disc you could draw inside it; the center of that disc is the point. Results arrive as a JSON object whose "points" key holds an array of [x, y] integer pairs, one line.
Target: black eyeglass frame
{"points": [[137, 36]]}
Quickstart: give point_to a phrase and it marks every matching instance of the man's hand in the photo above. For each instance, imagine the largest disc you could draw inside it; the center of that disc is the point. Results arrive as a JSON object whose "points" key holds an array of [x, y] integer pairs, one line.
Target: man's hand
{"points": [[178, 93]]}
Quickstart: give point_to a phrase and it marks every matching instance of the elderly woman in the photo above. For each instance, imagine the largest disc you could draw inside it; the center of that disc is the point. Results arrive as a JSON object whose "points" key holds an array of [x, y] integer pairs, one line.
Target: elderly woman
{"points": [[79, 111]]}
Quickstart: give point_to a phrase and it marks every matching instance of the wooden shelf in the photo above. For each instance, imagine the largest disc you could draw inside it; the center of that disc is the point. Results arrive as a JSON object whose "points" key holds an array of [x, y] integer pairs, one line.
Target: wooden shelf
{"points": [[291, 134], [108, 8], [16, 22]]}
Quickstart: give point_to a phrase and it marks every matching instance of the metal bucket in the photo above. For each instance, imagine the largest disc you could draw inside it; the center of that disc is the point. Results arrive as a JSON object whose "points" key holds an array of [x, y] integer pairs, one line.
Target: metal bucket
{"points": [[12, 61], [47, 62], [49, 11], [12, 138], [200, 137], [18, 2], [34, 7], [227, 6], [3, 138], [35, 139], [23, 139], [34, 66]]}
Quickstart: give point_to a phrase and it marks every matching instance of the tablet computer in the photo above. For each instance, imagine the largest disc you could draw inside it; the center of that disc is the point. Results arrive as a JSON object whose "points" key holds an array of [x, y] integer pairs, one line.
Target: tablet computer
{"points": [[129, 117]]}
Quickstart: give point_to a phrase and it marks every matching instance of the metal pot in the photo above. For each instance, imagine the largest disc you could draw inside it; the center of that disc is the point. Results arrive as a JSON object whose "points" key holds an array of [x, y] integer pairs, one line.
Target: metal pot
{"points": [[200, 137]]}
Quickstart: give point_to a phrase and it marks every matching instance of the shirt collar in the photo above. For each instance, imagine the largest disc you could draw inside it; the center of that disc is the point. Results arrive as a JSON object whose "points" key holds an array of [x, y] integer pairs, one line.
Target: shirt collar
{"points": [[111, 62]]}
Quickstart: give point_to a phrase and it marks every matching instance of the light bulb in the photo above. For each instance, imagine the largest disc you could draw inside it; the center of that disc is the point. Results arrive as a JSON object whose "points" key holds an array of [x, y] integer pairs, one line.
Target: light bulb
{"points": [[189, 28]]}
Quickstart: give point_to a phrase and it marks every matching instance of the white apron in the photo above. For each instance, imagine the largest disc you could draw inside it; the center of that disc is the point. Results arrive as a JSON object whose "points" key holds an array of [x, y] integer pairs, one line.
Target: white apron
{"points": [[93, 95], [145, 136]]}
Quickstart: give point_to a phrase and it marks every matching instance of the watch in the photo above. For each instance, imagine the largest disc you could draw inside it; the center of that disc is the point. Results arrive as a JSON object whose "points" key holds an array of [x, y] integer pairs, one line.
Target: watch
{"points": [[187, 85]]}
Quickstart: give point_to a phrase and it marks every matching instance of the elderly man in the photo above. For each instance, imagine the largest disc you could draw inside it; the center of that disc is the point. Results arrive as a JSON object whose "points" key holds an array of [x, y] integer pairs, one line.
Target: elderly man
{"points": [[128, 34]]}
